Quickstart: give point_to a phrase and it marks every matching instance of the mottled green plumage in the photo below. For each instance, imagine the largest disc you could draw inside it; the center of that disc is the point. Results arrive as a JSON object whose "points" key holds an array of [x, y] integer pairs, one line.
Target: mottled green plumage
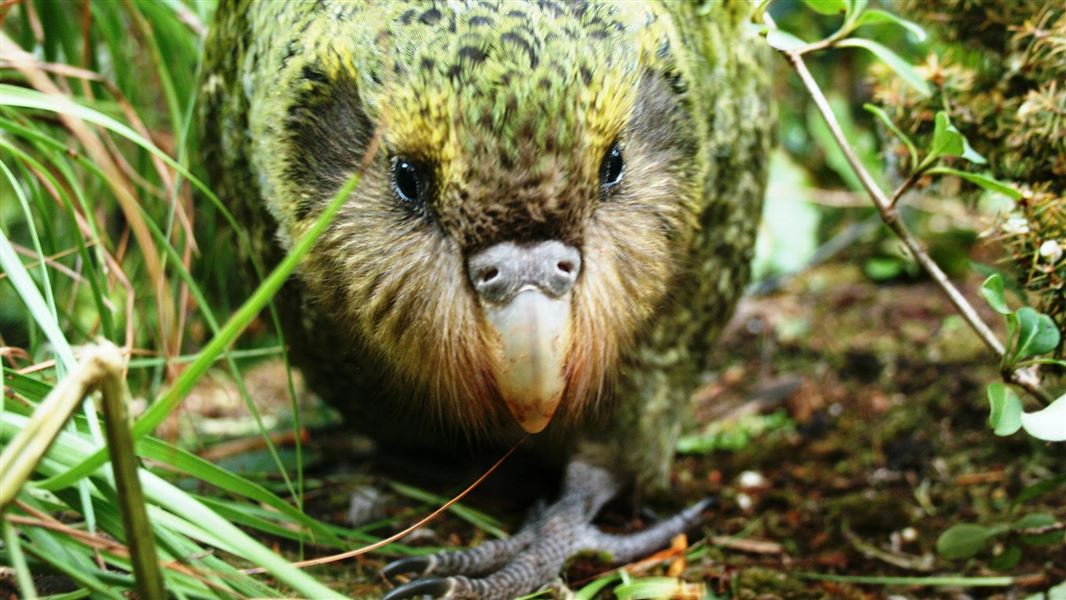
{"points": [[512, 106]]}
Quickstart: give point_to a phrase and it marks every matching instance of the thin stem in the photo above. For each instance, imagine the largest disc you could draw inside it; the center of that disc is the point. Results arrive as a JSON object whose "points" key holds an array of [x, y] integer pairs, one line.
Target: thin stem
{"points": [[124, 465], [1043, 529], [887, 208], [845, 30], [820, 44], [18, 560], [903, 188]]}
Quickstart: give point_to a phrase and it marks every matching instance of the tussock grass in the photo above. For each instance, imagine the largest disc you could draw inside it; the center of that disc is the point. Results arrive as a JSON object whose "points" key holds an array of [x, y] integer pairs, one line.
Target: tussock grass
{"points": [[108, 235]]}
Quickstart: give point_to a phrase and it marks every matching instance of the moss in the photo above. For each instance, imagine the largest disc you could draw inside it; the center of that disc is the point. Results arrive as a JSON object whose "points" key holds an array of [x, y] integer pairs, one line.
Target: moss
{"points": [[998, 68], [765, 584]]}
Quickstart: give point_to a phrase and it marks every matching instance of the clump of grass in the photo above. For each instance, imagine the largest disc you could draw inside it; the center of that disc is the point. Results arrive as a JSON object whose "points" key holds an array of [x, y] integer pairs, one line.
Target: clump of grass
{"points": [[98, 231]]}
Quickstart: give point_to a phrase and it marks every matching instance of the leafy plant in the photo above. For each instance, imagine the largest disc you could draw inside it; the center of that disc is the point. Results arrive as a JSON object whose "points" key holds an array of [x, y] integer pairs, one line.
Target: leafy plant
{"points": [[97, 244], [1037, 530], [1030, 334]]}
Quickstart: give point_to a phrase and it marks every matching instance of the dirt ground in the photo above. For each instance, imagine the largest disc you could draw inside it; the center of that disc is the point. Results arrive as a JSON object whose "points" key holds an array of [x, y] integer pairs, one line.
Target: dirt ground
{"points": [[885, 447]]}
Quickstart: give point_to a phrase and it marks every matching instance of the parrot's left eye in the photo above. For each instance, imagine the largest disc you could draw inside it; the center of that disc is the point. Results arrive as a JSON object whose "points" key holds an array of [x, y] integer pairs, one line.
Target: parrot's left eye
{"points": [[410, 182], [613, 168]]}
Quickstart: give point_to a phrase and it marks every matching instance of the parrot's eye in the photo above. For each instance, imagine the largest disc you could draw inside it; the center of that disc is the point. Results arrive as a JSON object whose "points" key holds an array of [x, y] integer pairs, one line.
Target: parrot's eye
{"points": [[410, 181], [613, 168]]}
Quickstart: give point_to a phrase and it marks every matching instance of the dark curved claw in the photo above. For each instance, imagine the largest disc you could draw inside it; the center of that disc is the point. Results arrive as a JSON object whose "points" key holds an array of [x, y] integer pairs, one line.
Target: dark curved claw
{"points": [[437, 587], [416, 566], [696, 509], [706, 503]]}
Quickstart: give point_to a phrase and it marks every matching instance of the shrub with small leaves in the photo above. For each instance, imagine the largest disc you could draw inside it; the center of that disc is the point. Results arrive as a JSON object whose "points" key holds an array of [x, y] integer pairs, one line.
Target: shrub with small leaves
{"points": [[997, 67], [1030, 336]]}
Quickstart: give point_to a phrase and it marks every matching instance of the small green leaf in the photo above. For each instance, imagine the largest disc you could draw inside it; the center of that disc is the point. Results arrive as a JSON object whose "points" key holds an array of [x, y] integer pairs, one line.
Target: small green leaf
{"points": [[992, 290], [1006, 409], [985, 181], [1038, 520], [827, 7], [884, 268], [883, 116], [893, 60], [783, 41], [1007, 560], [657, 587], [593, 589], [1040, 488], [963, 540], [970, 154], [875, 16], [949, 141], [1056, 591], [1048, 424], [1037, 333]]}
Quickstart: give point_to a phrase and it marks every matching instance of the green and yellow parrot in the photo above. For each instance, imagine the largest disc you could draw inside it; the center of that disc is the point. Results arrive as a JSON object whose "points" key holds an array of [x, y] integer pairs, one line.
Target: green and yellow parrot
{"points": [[557, 210]]}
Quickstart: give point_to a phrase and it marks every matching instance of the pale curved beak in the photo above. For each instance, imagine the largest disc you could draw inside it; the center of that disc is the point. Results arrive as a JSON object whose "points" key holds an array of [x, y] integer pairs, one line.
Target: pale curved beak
{"points": [[532, 336]]}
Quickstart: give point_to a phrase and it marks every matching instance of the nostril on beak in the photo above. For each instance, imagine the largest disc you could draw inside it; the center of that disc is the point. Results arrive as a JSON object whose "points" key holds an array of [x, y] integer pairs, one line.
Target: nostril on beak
{"points": [[489, 274], [505, 269]]}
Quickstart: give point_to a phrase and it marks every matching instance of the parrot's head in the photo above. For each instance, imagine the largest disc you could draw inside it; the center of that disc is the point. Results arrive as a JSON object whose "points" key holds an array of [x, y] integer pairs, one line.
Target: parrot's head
{"points": [[534, 188]]}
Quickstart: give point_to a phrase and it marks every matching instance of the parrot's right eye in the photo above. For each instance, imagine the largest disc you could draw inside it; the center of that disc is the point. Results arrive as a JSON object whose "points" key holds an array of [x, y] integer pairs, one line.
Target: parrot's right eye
{"points": [[613, 168], [410, 182]]}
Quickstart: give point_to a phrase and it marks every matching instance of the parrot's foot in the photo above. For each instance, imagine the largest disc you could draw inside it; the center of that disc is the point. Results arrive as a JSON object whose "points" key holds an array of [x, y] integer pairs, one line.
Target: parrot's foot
{"points": [[534, 556]]}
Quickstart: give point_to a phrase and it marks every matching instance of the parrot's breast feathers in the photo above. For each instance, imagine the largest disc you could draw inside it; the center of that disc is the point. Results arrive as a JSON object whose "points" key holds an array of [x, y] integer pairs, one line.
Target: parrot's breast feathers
{"points": [[520, 124]]}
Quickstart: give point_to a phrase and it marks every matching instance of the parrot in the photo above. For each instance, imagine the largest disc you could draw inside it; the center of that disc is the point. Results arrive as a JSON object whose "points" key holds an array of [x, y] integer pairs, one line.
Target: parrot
{"points": [[555, 216]]}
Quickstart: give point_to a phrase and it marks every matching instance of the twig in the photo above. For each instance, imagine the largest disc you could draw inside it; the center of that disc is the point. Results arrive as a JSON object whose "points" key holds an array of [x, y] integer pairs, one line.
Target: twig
{"points": [[239, 446], [747, 545], [51, 261], [903, 561], [673, 555], [1041, 530], [886, 207], [902, 189]]}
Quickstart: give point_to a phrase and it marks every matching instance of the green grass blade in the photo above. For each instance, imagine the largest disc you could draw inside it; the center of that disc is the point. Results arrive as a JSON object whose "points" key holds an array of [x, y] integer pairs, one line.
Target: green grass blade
{"points": [[212, 323], [229, 332], [167, 498], [92, 273], [14, 550], [227, 534], [26, 98], [48, 550], [475, 517], [932, 581], [227, 481], [46, 282], [34, 301]]}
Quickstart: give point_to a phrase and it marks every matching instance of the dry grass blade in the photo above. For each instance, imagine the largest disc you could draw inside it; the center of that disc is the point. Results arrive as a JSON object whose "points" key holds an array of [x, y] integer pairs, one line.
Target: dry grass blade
{"points": [[96, 542]]}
